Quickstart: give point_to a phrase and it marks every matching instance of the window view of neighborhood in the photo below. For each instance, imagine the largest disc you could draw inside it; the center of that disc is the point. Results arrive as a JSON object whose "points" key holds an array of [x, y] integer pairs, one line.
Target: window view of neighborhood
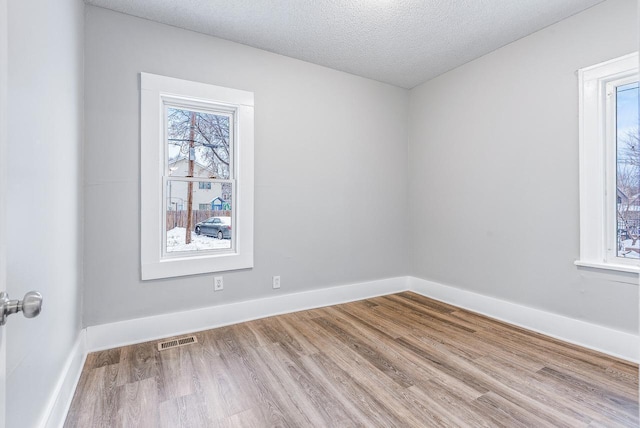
{"points": [[198, 213], [628, 172]]}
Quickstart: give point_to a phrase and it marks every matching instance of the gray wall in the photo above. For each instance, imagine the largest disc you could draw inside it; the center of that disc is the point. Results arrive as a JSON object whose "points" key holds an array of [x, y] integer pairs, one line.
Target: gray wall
{"points": [[330, 174], [45, 111], [492, 185], [493, 172]]}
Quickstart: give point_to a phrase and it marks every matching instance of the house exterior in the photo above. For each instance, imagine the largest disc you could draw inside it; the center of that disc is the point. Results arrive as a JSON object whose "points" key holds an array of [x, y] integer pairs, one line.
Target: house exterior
{"points": [[206, 195], [621, 197]]}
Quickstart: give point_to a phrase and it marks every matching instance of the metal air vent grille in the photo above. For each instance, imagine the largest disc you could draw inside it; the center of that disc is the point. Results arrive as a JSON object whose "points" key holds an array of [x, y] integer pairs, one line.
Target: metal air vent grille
{"points": [[174, 343]]}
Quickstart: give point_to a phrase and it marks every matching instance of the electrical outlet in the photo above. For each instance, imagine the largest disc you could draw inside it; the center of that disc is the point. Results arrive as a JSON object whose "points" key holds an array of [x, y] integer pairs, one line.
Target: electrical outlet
{"points": [[276, 282], [217, 283]]}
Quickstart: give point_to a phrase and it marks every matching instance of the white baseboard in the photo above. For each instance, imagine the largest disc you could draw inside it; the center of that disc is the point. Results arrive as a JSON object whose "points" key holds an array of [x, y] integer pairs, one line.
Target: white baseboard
{"points": [[609, 341], [139, 330], [593, 336], [60, 401]]}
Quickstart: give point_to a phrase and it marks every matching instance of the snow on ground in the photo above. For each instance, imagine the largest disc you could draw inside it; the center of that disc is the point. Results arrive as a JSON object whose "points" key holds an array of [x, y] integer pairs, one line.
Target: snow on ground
{"points": [[175, 241], [630, 251]]}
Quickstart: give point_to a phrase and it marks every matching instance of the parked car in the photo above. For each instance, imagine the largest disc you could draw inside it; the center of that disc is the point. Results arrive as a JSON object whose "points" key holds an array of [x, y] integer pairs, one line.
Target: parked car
{"points": [[219, 227]]}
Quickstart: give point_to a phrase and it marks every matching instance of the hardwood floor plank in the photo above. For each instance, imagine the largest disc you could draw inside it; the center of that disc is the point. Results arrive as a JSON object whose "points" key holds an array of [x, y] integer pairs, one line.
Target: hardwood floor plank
{"points": [[616, 409], [505, 413], [367, 376], [84, 403], [100, 399], [365, 404], [422, 317], [405, 360], [427, 303], [383, 364], [136, 363], [221, 393], [390, 361], [137, 404], [176, 371], [381, 328], [255, 387], [250, 418], [309, 393], [418, 323], [279, 391], [103, 358], [598, 381], [537, 345], [520, 381], [431, 314], [185, 412], [277, 332], [446, 366]]}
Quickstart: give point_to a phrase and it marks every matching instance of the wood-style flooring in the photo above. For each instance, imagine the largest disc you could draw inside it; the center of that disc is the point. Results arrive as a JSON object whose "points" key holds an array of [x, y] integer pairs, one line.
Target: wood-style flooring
{"points": [[396, 361]]}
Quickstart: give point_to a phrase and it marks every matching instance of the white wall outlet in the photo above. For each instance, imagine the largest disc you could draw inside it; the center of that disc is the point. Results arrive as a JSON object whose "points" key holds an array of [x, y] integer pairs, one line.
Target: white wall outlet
{"points": [[217, 283], [276, 282]]}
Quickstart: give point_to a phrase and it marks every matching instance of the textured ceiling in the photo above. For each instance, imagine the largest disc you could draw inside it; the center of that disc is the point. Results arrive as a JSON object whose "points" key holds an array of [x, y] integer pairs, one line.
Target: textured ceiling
{"points": [[402, 42]]}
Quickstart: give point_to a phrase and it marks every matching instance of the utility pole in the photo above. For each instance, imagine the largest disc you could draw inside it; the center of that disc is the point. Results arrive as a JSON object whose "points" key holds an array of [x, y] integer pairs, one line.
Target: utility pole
{"points": [[192, 155]]}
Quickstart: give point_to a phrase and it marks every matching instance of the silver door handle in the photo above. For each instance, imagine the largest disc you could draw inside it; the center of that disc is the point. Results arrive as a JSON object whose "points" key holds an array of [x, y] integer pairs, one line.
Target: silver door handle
{"points": [[30, 305]]}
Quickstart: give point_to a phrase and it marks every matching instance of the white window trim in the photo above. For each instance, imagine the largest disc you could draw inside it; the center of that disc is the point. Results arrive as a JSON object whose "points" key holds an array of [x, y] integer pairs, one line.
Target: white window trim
{"points": [[597, 177], [153, 265]]}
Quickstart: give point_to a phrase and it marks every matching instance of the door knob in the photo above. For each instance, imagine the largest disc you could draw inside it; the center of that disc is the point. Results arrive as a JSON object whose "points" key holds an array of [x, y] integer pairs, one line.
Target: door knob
{"points": [[30, 305]]}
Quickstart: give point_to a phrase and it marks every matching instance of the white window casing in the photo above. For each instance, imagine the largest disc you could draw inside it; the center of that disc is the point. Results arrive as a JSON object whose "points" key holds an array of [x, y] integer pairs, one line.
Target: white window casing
{"points": [[156, 92], [597, 162]]}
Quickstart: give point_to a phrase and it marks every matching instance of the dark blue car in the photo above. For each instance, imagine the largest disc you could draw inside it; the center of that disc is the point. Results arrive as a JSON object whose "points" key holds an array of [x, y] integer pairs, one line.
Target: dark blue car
{"points": [[218, 227]]}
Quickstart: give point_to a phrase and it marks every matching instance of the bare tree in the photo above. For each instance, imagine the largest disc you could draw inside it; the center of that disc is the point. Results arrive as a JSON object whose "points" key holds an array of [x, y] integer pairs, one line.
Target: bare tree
{"points": [[210, 139], [202, 137], [628, 183]]}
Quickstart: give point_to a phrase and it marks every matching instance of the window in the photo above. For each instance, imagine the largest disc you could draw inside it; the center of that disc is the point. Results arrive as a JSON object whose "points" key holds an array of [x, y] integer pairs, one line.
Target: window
{"points": [[610, 165], [195, 133]]}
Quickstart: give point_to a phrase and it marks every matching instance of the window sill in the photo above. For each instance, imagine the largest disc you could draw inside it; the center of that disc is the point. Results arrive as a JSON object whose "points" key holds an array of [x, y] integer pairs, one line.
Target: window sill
{"points": [[608, 266]]}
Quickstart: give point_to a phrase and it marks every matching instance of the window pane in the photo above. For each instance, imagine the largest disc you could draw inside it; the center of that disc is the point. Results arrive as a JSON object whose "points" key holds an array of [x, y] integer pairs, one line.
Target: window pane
{"points": [[628, 172], [198, 143], [209, 221]]}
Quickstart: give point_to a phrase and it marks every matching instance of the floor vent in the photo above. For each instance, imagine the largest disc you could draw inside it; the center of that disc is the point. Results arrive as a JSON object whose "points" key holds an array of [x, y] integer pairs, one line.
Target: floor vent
{"points": [[174, 343]]}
